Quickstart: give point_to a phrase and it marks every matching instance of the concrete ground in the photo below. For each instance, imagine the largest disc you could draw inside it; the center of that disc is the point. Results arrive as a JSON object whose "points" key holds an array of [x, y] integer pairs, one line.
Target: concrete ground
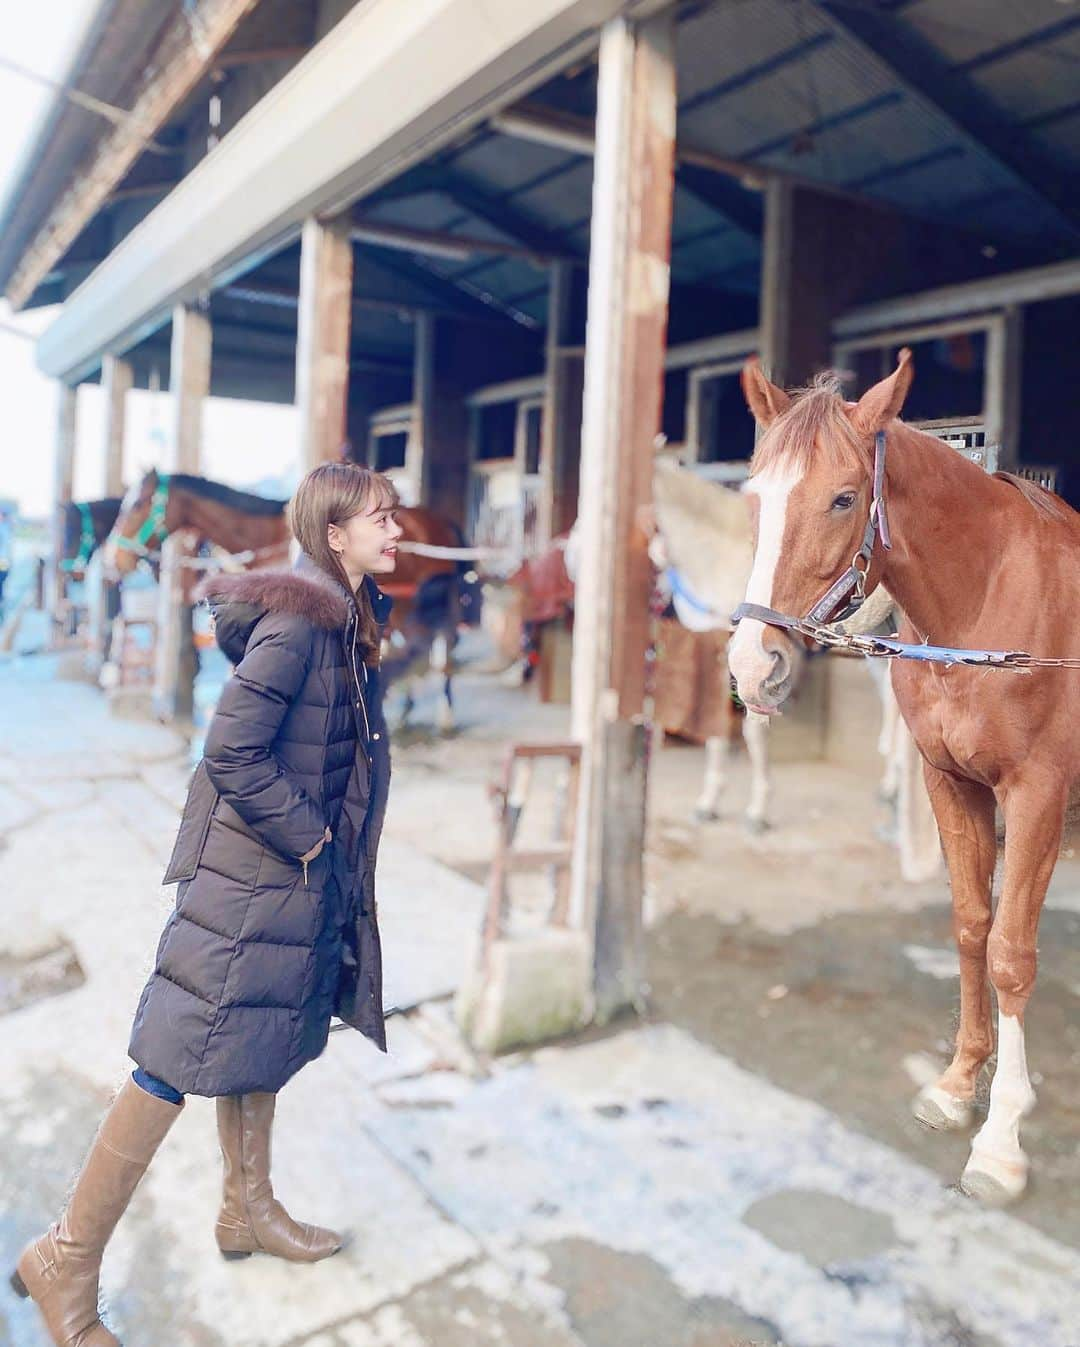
{"points": [[740, 1167]]}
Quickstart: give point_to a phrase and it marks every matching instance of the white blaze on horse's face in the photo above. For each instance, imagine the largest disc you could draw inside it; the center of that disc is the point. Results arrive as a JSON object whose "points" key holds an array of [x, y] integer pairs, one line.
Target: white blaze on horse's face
{"points": [[762, 667]]}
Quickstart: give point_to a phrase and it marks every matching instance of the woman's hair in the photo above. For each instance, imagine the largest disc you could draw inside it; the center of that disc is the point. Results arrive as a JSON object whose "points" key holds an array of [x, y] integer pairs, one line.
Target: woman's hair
{"points": [[331, 494]]}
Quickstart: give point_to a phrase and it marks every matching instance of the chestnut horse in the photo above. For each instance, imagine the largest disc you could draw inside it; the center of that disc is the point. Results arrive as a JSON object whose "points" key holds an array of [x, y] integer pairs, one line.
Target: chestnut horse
{"points": [[977, 561], [256, 531]]}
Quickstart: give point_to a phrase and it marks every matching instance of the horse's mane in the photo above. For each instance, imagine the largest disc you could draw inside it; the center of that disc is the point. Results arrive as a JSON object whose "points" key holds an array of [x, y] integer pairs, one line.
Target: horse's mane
{"points": [[815, 424], [1043, 501], [241, 501]]}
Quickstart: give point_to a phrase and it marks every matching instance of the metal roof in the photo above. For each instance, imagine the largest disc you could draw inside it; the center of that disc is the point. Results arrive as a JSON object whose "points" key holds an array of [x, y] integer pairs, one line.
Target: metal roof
{"points": [[962, 112], [813, 89]]}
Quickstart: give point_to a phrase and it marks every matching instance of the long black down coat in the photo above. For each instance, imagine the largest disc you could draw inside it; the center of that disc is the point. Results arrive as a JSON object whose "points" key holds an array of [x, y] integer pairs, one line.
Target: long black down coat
{"points": [[256, 955]]}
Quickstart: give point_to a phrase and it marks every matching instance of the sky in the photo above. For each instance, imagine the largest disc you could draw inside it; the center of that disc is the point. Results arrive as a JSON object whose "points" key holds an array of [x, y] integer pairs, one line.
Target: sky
{"points": [[243, 443]]}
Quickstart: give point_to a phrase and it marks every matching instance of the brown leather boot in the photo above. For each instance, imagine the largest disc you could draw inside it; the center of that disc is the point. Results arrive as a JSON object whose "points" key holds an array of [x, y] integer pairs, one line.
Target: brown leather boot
{"points": [[60, 1269], [251, 1219]]}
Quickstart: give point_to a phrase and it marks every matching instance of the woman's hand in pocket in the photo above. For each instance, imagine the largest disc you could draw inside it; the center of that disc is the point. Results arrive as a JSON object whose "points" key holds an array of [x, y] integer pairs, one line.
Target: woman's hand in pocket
{"points": [[309, 856]]}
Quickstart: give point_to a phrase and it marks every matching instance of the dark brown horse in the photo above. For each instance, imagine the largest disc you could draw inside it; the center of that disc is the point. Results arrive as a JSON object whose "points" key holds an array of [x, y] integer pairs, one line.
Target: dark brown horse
{"points": [[87, 523], [978, 562]]}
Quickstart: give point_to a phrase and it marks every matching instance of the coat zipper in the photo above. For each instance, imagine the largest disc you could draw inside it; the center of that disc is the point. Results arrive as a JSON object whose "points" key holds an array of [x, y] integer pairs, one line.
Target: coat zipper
{"points": [[359, 692], [363, 708]]}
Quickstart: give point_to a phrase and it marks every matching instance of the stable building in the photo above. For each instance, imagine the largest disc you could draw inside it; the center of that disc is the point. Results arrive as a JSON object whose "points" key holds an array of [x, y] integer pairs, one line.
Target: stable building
{"points": [[505, 252]]}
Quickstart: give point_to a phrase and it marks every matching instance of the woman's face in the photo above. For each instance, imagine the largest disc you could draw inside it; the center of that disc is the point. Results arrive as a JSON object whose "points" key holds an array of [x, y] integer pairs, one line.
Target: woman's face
{"points": [[367, 542]]}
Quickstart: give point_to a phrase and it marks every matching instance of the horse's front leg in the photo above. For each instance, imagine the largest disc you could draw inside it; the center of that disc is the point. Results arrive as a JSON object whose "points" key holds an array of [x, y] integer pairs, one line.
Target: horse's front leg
{"points": [[717, 753], [890, 744], [756, 735], [442, 660], [1034, 810], [964, 811]]}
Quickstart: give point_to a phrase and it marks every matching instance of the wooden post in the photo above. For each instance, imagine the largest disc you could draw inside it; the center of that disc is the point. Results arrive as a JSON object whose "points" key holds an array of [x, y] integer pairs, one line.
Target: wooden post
{"points": [[324, 328], [419, 453], [627, 320], [560, 451], [438, 462], [117, 378], [64, 479], [176, 661], [1002, 387], [189, 383], [821, 254]]}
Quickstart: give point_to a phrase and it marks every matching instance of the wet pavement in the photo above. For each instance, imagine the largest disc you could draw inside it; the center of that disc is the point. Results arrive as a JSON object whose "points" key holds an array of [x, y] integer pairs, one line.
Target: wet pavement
{"points": [[740, 1168]]}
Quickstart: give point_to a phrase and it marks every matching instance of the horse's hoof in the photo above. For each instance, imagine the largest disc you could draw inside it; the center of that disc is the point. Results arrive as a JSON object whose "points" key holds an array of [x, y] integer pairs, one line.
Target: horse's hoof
{"points": [[706, 815], [992, 1181], [942, 1112], [756, 826]]}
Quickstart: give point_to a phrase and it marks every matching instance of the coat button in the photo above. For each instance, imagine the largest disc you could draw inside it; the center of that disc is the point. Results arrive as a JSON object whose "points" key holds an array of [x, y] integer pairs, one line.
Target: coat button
{"points": [[376, 735]]}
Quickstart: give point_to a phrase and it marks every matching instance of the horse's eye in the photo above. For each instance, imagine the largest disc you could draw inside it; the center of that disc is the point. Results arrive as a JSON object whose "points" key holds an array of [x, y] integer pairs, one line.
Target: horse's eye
{"points": [[844, 501]]}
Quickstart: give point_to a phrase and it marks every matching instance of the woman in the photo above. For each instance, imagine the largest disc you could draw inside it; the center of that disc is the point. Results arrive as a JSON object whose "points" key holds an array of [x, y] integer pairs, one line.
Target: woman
{"points": [[274, 927]]}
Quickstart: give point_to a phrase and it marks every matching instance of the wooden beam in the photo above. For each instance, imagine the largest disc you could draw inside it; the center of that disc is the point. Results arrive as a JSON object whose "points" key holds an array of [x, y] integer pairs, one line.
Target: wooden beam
{"points": [[66, 426], [629, 276], [189, 383], [438, 243], [324, 328], [230, 60], [176, 66], [560, 446], [439, 447], [117, 378], [569, 131]]}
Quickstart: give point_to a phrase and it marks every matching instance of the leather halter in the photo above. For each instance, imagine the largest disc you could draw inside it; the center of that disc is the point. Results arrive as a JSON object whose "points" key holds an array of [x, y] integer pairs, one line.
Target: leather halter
{"points": [[846, 594], [153, 524], [87, 541]]}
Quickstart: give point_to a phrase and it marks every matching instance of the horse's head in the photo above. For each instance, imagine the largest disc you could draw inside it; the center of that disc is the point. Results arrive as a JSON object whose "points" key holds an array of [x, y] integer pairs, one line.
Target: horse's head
{"points": [[74, 528], [140, 527], [810, 489]]}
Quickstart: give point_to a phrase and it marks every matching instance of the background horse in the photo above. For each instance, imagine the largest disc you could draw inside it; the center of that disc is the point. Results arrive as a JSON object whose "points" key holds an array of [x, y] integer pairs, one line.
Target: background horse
{"points": [[434, 596], [87, 523], [983, 562], [431, 593]]}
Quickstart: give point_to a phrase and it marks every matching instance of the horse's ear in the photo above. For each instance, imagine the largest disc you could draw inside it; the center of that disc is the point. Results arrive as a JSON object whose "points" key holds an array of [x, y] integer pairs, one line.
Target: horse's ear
{"points": [[882, 403], [764, 399]]}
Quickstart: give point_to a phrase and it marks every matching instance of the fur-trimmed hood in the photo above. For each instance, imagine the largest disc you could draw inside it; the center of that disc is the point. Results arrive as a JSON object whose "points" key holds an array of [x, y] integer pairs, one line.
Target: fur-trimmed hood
{"points": [[238, 601]]}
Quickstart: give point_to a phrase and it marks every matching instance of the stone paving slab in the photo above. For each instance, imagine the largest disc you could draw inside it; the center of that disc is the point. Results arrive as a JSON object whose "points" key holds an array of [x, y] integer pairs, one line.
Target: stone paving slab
{"points": [[651, 1144]]}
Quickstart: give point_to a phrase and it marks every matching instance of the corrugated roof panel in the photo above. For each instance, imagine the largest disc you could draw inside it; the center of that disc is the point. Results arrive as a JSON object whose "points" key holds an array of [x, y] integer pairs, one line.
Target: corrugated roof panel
{"points": [[722, 43], [500, 276], [426, 210], [778, 103], [1061, 141], [692, 216], [962, 30], [505, 162], [563, 199], [716, 262], [1031, 82], [854, 152]]}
